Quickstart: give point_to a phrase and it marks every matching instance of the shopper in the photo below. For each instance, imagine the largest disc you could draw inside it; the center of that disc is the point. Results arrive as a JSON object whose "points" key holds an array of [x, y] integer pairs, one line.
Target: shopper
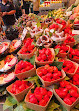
{"points": [[17, 4], [26, 5], [36, 4], [1, 21], [8, 12]]}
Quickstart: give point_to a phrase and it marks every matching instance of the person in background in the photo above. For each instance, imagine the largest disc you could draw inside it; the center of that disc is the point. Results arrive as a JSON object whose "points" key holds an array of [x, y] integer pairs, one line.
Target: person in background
{"points": [[1, 21], [8, 12], [17, 4], [36, 4], [25, 6]]}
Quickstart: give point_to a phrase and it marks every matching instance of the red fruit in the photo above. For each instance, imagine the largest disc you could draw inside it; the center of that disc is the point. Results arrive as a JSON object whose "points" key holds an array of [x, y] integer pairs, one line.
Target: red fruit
{"points": [[48, 79], [46, 98], [18, 83], [44, 55], [17, 91], [74, 93], [59, 73], [73, 99], [22, 87], [65, 90], [49, 75], [43, 77], [68, 87], [67, 101], [33, 100], [55, 69], [43, 91], [49, 93], [39, 97], [62, 84], [42, 102], [55, 76], [31, 95], [40, 73]]}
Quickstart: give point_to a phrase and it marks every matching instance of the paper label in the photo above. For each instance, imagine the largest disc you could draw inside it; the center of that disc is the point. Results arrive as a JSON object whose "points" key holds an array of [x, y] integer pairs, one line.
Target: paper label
{"points": [[24, 34], [75, 32]]}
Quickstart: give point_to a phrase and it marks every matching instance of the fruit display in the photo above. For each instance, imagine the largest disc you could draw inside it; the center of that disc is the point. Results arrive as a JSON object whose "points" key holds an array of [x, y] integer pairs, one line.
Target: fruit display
{"points": [[74, 55], [45, 55], [5, 78], [7, 63], [3, 46], [23, 66], [67, 92], [19, 86], [63, 50], [50, 73], [68, 66], [69, 40], [15, 44], [12, 33], [28, 49], [40, 96], [42, 59], [75, 79]]}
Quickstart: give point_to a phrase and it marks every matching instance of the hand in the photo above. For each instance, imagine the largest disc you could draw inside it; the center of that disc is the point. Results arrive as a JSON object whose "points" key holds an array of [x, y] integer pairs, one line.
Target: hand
{"points": [[5, 13], [1, 14]]}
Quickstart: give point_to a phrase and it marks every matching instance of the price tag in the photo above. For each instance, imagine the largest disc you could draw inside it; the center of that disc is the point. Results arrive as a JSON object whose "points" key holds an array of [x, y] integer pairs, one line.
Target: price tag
{"points": [[75, 32], [24, 34]]}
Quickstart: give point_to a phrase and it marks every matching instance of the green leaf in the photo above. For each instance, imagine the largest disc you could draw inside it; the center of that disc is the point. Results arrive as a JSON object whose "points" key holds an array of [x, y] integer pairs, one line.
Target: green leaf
{"points": [[76, 37], [56, 51], [29, 109], [32, 78], [37, 83], [50, 34], [77, 106], [28, 35], [56, 58], [38, 24], [67, 78], [12, 100], [63, 108], [58, 64], [52, 106], [19, 108], [7, 104], [31, 60], [2, 89]]}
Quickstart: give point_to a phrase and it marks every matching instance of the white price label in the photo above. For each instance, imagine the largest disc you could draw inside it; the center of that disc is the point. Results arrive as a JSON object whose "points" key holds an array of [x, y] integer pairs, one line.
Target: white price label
{"points": [[24, 34], [75, 32]]}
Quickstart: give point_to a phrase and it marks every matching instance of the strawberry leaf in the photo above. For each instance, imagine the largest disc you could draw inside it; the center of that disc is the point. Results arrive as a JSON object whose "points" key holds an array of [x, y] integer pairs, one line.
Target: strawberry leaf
{"points": [[76, 37], [67, 78], [19, 108], [38, 24], [77, 106], [50, 34], [32, 78], [7, 104], [31, 60], [52, 106], [12, 100], [58, 64], [56, 51]]}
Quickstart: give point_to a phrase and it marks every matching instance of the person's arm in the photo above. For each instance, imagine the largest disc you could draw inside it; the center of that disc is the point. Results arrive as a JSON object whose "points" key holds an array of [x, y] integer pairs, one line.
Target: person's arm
{"points": [[11, 12]]}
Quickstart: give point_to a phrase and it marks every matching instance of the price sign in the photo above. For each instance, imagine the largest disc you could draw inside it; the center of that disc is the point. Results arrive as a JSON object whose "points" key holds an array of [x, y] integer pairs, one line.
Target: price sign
{"points": [[24, 34], [75, 32]]}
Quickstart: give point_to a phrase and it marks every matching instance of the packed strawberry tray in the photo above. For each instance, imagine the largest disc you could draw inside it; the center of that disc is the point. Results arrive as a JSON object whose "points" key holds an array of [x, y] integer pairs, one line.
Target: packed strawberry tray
{"points": [[41, 69]]}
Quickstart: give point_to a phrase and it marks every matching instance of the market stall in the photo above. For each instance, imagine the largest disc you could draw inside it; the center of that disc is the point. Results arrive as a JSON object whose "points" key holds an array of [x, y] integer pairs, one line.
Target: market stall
{"points": [[39, 62]]}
